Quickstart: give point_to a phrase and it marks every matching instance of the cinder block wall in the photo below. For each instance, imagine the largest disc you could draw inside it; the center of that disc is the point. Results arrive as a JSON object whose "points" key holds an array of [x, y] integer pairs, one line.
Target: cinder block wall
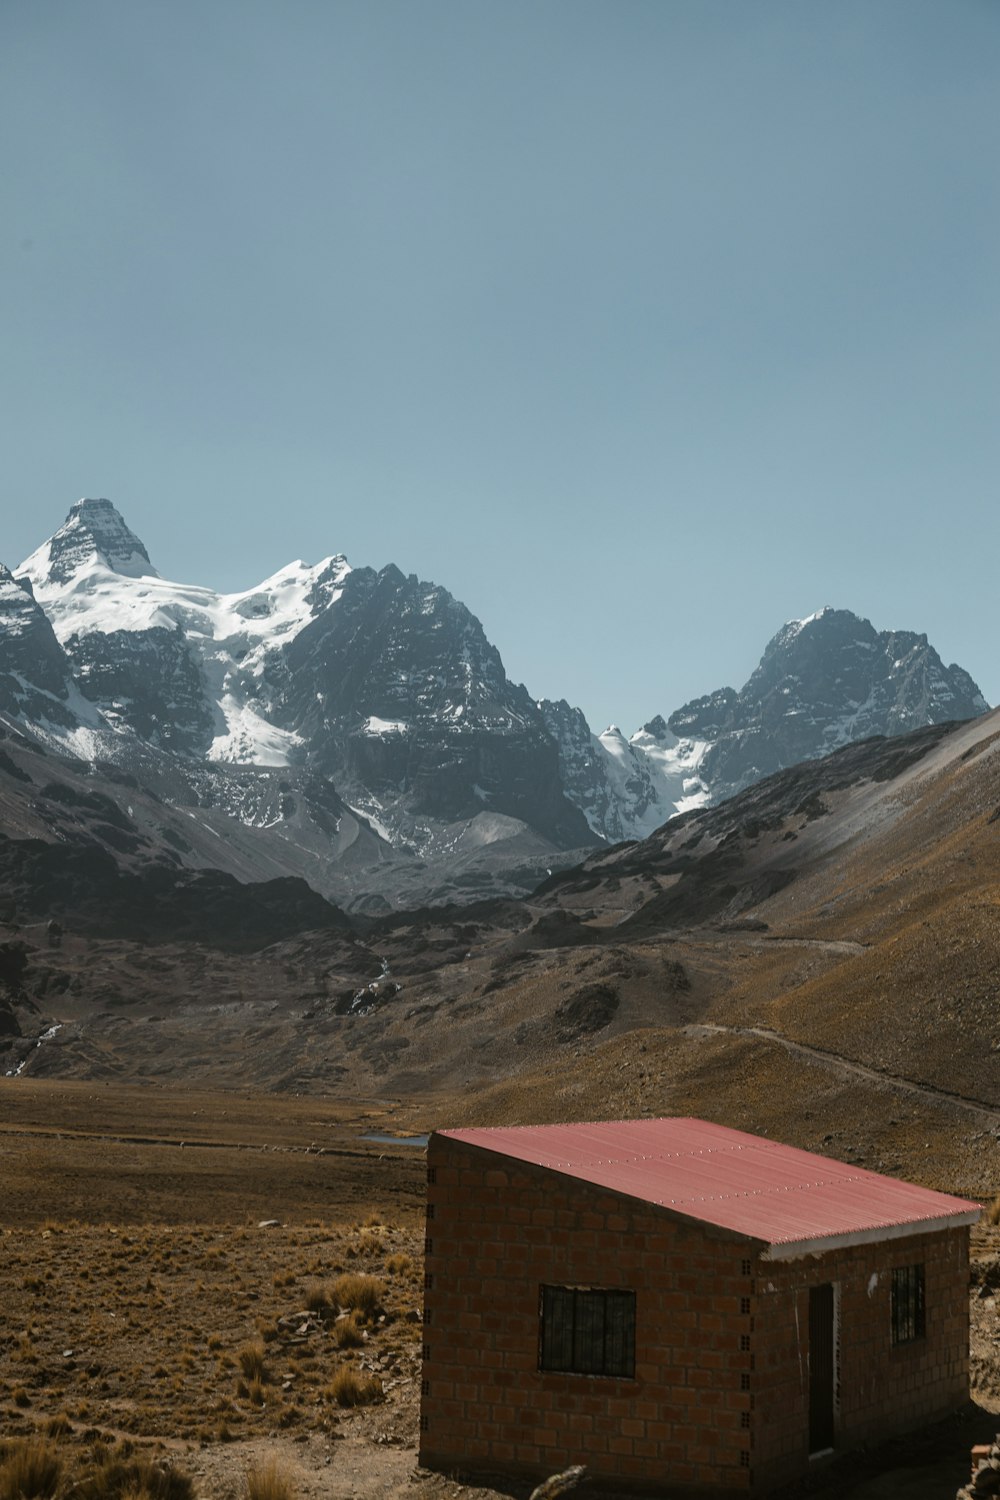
{"points": [[720, 1398], [883, 1390], [498, 1230]]}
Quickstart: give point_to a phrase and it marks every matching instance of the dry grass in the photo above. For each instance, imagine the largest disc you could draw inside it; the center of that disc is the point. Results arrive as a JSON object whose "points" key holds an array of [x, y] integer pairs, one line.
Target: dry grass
{"points": [[351, 1388], [363, 1294], [268, 1479], [370, 1242], [65, 1146], [252, 1361], [30, 1469], [991, 1213], [134, 1478], [348, 1333], [195, 1338]]}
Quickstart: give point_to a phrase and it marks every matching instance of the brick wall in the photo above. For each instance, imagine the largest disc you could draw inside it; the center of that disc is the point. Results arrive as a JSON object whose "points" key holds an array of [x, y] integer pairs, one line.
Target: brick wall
{"points": [[720, 1395], [882, 1389], [497, 1230]]}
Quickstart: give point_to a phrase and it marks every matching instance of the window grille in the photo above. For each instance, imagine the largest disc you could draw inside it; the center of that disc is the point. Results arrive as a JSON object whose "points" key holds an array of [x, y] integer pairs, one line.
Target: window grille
{"points": [[586, 1332], [907, 1304]]}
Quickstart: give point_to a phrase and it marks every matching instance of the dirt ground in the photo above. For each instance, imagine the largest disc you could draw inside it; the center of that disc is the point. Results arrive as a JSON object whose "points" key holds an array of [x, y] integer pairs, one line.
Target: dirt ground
{"points": [[172, 1283]]}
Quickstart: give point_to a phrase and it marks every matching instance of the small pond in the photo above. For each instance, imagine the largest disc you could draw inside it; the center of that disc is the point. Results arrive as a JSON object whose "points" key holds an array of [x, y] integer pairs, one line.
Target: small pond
{"points": [[397, 1140]]}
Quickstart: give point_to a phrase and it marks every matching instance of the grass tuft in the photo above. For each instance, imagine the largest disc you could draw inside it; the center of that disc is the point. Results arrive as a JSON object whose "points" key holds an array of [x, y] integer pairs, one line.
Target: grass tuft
{"points": [[350, 1388], [30, 1470], [251, 1360], [134, 1479], [317, 1297], [361, 1293], [267, 1480], [347, 1332]]}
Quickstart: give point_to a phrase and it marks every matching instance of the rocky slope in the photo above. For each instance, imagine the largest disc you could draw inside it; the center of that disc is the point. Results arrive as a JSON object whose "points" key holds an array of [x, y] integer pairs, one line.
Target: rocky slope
{"points": [[816, 958], [375, 690], [36, 677], [823, 682]]}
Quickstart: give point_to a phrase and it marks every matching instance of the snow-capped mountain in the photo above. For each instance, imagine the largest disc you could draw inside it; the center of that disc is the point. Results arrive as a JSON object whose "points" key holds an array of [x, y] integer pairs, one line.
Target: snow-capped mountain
{"points": [[363, 717], [176, 664], [625, 787], [36, 676], [382, 683], [822, 682]]}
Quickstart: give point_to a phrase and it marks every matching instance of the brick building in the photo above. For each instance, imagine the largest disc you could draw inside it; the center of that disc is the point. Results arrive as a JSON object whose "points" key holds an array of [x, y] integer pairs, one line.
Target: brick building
{"points": [[680, 1306]]}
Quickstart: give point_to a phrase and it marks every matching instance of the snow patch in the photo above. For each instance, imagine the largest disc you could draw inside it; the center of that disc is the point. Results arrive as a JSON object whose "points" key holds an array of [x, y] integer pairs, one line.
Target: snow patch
{"points": [[373, 822], [376, 726], [250, 738], [231, 636]]}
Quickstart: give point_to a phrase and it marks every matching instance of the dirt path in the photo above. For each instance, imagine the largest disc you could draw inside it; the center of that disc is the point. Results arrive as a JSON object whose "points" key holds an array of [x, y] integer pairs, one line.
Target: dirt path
{"points": [[925, 1091], [821, 945]]}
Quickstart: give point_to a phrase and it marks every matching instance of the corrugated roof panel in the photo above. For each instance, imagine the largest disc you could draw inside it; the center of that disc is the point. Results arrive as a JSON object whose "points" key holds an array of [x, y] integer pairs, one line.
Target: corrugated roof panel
{"points": [[744, 1183]]}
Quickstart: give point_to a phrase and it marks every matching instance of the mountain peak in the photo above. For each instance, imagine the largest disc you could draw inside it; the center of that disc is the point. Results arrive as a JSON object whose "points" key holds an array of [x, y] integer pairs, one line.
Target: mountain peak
{"points": [[94, 531]]}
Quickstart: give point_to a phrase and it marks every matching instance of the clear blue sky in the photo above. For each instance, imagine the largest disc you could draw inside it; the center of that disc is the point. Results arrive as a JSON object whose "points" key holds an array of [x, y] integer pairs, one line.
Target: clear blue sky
{"points": [[642, 327]]}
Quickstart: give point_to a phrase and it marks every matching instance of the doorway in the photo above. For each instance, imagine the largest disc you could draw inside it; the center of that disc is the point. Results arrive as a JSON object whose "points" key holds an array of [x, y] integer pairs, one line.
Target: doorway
{"points": [[822, 1368]]}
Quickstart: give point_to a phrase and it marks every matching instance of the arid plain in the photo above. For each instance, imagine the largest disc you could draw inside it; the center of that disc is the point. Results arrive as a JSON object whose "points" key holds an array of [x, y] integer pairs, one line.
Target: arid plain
{"points": [[172, 1269]]}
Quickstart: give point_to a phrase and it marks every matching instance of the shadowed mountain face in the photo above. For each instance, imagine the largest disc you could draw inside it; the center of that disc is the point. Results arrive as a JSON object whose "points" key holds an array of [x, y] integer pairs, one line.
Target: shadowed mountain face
{"points": [[36, 677], [823, 683]]}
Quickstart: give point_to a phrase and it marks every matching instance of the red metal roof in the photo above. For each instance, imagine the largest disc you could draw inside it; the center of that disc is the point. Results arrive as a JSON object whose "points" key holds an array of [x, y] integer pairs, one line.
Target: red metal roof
{"points": [[794, 1201]]}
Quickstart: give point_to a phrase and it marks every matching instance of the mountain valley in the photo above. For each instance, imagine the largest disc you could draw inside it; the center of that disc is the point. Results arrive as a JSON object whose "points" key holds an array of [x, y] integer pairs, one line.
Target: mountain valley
{"points": [[816, 956], [310, 839], [269, 901]]}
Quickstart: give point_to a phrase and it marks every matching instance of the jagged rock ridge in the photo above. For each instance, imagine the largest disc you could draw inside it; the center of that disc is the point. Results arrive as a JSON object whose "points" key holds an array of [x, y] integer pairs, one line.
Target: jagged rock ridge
{"points": [[380, 695], [823, 682], [384, 685]]}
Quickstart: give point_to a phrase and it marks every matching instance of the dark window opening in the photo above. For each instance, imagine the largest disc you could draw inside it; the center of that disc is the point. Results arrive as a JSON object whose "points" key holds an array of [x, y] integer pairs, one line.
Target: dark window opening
{"points": [[907, 1304], [587, 1332]]}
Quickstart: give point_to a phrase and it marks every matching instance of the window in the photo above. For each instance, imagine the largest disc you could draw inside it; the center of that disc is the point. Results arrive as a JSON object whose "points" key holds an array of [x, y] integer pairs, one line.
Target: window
{"points": [[907, 1304], [587, 1332]]}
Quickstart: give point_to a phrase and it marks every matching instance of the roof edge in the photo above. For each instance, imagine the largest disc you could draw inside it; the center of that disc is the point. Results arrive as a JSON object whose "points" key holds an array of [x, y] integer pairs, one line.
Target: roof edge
{"points": [[797, 1249], [674, 1215]]}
